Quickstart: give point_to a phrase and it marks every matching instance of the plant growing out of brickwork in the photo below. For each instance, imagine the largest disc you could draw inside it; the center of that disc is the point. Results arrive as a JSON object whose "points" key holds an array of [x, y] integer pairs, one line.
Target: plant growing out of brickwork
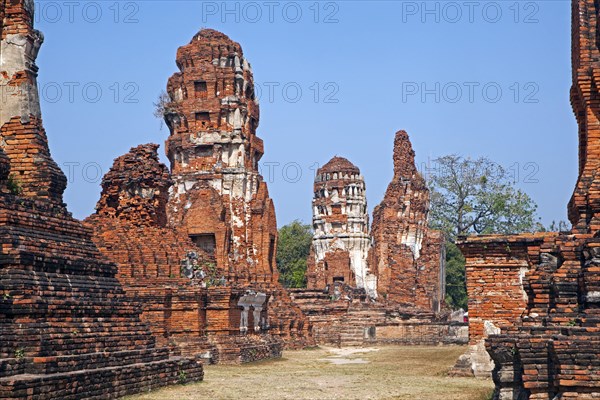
{"points": [[14, 185], [162, 107], [182, 377], [20, 353]]}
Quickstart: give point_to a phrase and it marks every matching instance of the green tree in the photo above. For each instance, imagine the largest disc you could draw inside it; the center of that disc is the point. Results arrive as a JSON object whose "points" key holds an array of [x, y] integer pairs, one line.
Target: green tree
{"points": [[474, 197], [456, 291], [478, 197], [292, 252]]}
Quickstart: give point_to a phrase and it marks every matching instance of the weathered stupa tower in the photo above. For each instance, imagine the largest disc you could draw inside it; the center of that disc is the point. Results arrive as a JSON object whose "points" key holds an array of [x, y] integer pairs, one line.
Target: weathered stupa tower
{"points": [[196, 244], [341, 240], [218, 195], [407, 256]]}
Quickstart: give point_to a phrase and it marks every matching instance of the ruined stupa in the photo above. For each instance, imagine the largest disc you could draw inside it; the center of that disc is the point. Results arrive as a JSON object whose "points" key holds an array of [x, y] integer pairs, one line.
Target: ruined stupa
{"points": [[218, 195], [341, 240], [384, 286], [407, 257]]}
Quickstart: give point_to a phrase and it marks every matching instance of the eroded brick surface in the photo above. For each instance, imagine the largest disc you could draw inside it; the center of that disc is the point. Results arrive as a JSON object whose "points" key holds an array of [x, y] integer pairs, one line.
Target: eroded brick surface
{"points": [[67, 329], [535, 299], [407, 257]]}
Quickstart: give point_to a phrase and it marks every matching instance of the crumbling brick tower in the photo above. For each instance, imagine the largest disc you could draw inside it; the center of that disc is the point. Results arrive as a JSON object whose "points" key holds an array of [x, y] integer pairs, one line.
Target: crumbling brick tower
{"points": [[130, 229], [218, 195], [218, 199], [407, 257], [66, 328], [194, 312], [551, 350], [341, 240]]}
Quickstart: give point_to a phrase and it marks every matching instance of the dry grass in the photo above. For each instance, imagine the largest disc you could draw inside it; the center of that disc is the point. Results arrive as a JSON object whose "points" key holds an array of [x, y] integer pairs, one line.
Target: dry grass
{"points": [[416, 373]]}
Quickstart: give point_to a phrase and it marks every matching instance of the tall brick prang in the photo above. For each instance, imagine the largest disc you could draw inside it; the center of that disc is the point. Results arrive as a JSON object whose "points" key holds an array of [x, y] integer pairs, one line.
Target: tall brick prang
{"points": [[218, 196], [21, 132], [67, 329], [407, 257], [585, 204]]}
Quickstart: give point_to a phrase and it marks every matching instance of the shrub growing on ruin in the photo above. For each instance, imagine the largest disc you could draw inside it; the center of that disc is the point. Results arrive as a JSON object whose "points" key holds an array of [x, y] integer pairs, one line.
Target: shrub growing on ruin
{"points": [[14, 185]]}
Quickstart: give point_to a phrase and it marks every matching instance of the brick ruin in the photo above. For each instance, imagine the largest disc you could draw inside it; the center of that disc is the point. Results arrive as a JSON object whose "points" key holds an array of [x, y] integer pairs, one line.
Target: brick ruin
{"points": [[534, 300], [341, 240], [496, 267], [407, 257], [211, 211], [68, 331], [218, 196], [390, 291]]}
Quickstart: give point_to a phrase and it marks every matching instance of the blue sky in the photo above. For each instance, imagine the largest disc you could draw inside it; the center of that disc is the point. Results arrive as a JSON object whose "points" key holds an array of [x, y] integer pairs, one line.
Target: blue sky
{"points": [[474, 78]]}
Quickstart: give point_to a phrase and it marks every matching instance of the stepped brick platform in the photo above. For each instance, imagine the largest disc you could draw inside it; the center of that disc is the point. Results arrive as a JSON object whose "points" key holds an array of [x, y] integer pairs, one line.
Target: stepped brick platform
{"points": [[67, 329], [351, 321], [536, 298]]}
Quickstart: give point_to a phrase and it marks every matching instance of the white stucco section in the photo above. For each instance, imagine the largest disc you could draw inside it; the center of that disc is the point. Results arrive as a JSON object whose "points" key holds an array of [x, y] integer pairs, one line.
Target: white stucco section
{"points": [[17, 54]]}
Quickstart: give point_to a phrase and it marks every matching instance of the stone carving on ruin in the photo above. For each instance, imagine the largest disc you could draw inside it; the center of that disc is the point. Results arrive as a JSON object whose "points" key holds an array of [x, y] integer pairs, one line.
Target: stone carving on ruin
{"points": [[257, 302], [67, 328]]}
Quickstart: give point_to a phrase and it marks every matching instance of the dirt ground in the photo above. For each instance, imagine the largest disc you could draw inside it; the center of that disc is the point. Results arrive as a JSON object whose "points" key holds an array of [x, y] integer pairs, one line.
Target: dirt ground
{"points": [[416, 373]]}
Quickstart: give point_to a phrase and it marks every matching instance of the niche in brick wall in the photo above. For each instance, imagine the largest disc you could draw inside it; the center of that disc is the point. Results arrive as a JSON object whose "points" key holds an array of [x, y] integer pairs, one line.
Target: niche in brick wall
{"points": [[205, 241], [202, 118], [200, 89], [271, 251], [204, 151]]}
